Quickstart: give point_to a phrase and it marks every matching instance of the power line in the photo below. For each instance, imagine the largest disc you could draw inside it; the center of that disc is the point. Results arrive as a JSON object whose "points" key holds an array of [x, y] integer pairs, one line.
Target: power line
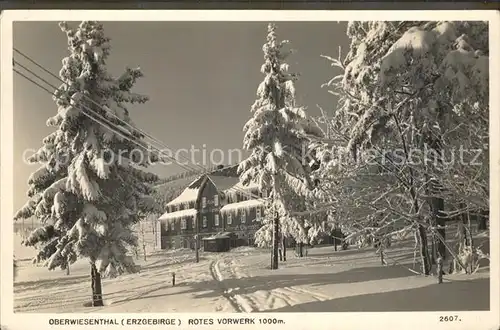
{"points": [[242, 191], [95, 103], [83, 112], [205, 171], [48, 91]]}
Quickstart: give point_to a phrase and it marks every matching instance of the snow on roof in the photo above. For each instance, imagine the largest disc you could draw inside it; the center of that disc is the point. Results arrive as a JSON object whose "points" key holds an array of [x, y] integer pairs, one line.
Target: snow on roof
{"points": [[239, 188], [246, 205], [249, 186], [178, 214], [188, 195], [224, 183]]}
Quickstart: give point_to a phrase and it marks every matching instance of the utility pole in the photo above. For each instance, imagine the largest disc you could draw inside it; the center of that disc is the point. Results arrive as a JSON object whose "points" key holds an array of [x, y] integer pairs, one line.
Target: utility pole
{"points": [[196, 236]]}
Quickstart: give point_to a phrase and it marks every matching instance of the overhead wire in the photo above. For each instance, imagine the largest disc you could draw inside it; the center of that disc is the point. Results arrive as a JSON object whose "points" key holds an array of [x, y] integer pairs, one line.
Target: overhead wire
{"points": [[188, 168]]}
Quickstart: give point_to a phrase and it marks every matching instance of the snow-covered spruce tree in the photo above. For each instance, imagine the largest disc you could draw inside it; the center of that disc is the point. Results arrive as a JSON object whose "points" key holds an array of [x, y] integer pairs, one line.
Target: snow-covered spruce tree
{"points": [[275, 136], [89, 190]]}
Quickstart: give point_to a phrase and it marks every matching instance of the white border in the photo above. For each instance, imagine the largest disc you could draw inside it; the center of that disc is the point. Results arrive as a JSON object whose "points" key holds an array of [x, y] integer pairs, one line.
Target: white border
{"points": [[400, 320]]}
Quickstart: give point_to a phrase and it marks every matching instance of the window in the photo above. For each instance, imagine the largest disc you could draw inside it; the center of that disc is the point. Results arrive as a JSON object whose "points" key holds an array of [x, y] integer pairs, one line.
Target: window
{"points": [[216, 220], [264, 194], [172, 226], [229, 219], [178, 208], [243, 216], [203, 202], [193, 223], [257, 213], [216, 200], [183, 224], [205, 222]]}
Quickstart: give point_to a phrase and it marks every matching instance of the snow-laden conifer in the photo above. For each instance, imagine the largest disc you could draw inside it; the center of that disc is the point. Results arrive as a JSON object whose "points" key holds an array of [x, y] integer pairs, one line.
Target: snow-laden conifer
{"points": [[89, 190], [276, 136]]}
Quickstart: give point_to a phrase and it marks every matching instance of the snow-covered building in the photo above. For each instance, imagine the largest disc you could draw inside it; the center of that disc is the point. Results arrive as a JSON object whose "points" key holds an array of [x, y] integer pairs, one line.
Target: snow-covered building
{"points": [[212, 203]]}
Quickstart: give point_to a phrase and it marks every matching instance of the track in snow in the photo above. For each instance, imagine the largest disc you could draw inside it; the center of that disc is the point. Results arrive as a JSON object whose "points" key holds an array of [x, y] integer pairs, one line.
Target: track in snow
{"points": [[217, 276]]}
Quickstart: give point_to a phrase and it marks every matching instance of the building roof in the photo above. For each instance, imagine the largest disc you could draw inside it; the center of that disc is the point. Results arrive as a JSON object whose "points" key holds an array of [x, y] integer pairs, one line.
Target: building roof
{"points": [[245, 205], [218, 176], [188, 195], [225, 179], [223, 183], [239, 188], [178, 214]]}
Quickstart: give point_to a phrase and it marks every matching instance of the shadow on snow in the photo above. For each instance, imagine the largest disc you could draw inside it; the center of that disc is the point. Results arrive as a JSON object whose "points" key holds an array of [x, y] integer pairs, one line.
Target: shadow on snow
{"points": [[448, 296]]}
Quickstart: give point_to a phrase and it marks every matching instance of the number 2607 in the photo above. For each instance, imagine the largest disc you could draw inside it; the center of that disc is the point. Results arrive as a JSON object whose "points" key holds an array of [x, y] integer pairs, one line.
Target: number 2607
{"points": [[450, 318]]}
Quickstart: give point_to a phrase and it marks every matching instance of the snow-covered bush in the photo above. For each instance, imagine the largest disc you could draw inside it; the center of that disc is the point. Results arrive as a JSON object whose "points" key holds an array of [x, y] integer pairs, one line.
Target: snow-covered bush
{"points": [[406, 86]]}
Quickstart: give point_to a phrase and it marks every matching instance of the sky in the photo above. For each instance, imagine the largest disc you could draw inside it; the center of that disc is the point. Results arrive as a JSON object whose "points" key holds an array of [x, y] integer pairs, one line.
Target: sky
{"points": [[201, 78]]}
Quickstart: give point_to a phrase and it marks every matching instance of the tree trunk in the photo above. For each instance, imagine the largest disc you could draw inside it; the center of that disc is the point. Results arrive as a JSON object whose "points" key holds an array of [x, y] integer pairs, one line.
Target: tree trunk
{"points": [[276, 241], [471, 243], [301, 249], [433, 251], [284, 248], [482, 221], [144, 251], [465, 226], [96, 286], [440, 221], [437, 203], [155, 235], [424, 251], [335, 239], [67, 268]]}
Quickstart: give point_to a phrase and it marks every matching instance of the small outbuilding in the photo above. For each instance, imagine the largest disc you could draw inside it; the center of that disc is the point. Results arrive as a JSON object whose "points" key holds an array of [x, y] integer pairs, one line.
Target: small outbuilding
{"points": [[220, 242]]}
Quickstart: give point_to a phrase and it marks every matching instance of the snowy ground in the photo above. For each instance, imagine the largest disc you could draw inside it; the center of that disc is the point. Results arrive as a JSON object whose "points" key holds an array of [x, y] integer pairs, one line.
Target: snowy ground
{"points": [[241, 281]]}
